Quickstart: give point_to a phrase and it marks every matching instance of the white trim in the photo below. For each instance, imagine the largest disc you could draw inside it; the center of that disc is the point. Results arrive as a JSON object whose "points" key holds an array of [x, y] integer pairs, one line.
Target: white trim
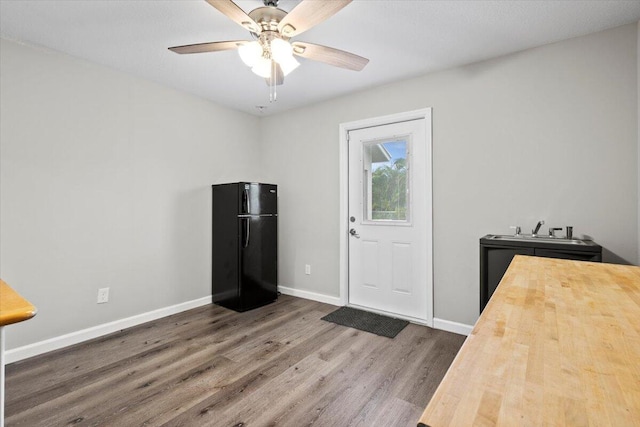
{"points": [[344, 212], [449, 326], [72, 338], [327, 299], [344, 128], [445, 325]]}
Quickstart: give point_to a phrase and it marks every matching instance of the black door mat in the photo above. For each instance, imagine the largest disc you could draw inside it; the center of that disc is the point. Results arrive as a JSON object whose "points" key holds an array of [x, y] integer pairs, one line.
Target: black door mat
{"points": [[365, 321]]}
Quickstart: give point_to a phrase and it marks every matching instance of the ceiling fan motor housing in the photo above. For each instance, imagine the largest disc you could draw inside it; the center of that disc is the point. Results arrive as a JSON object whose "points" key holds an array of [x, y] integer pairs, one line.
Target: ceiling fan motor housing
{"points": [[267, 18]]}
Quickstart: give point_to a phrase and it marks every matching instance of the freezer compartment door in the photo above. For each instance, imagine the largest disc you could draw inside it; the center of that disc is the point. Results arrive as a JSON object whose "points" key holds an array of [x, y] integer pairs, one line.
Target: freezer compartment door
{"points": [[258, 261], [258, 199]]}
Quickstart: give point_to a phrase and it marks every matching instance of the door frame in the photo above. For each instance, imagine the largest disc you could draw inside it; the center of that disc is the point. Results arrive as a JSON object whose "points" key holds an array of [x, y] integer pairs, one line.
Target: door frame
{"points": [[425, 114]]}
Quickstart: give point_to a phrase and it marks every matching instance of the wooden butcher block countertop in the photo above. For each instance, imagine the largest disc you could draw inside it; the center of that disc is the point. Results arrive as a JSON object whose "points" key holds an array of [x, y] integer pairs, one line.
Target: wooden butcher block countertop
{"points": [[557, 345], [13, 308]]}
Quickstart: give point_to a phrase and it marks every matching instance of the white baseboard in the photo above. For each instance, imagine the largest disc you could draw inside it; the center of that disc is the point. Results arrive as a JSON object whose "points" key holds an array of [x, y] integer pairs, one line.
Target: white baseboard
{"points": [[449, 326], [445, 325], [327, 299], [72, 338]]}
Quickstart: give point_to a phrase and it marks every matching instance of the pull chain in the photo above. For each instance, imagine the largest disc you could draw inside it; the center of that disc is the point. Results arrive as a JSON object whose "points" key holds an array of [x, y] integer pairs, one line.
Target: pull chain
{"points": [[272, 83]]}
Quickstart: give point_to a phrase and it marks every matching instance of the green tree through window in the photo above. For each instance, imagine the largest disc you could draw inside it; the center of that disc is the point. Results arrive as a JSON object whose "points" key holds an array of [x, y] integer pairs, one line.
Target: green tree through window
{"points": [[389, 191]]}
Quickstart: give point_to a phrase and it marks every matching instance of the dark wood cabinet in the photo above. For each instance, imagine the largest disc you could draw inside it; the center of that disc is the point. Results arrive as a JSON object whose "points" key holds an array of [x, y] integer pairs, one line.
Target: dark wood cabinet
{"points": [[496, 255]]}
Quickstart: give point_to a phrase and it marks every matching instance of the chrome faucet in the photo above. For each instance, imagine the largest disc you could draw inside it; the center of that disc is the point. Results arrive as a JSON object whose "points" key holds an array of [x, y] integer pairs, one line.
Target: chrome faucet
{"points": [[534, 232], [552, 231]]}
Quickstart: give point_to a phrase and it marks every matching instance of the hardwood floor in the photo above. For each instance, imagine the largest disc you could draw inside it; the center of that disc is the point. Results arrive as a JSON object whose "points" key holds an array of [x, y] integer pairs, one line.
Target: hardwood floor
{"points": [[276, 365]]}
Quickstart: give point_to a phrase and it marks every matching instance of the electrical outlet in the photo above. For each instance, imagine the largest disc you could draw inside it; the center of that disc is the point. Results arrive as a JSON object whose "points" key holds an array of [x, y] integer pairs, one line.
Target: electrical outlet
{"points": [[103, 295], [307, 269]]}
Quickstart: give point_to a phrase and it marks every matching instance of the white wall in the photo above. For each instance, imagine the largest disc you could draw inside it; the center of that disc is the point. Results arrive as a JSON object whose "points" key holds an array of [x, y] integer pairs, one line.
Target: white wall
{"points": [[104, 178], [105, 182], [549, 133]]}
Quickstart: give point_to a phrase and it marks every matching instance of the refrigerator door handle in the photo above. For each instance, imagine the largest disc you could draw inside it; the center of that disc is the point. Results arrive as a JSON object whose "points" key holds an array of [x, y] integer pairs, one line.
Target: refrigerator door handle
{"points": [[247, 230], [245, 201]]}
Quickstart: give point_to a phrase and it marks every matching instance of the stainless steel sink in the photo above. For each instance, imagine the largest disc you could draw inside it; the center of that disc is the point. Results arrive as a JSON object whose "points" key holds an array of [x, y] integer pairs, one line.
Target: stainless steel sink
{"points": [[530, 238]]}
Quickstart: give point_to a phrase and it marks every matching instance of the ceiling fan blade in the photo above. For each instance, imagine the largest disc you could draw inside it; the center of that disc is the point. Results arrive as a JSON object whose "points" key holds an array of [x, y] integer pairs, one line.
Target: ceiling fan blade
{"points": [[208, 47], [236, 14], [329, 55], [279, 76], [307, 14]]}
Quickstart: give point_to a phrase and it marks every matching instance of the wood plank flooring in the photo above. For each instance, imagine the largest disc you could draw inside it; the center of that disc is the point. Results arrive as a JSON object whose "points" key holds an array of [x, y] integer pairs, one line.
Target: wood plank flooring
{"points": [[279, 365]]}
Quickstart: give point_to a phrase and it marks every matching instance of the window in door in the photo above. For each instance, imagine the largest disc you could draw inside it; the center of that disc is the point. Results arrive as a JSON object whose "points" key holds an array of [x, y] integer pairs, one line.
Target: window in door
{"points": [[386, 181]]}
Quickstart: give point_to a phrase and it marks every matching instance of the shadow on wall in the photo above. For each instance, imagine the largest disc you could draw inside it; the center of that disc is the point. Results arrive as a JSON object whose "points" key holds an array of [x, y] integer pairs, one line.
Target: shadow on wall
{"points": [[611, 258]]}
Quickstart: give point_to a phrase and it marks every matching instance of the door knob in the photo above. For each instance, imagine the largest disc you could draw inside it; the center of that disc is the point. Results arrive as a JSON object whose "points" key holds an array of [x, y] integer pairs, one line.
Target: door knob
{"points": [[354, 233]]}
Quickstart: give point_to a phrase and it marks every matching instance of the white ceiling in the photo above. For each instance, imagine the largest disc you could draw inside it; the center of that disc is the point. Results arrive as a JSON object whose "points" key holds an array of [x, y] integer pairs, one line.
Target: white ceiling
{"points": [[401, 38]]}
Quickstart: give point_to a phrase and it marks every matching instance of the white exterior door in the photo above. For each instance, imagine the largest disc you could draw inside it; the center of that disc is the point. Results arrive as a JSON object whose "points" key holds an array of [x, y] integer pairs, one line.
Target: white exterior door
{"points": [[389, 219]]}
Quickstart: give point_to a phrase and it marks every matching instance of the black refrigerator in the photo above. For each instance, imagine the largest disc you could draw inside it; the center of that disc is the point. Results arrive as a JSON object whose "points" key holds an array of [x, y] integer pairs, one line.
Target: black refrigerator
{"points": [[245, 245]]}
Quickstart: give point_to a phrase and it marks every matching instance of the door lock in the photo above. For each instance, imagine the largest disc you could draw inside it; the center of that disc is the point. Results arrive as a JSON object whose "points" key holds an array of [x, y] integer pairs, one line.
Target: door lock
{"points": [[354, 233]]}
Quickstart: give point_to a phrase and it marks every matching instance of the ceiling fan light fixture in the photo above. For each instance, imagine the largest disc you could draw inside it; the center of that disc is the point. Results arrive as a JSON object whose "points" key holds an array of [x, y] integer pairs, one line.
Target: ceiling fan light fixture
{"points": [[288, 64], [262, 68], [250, 53], [282, 53], [280, 50]]}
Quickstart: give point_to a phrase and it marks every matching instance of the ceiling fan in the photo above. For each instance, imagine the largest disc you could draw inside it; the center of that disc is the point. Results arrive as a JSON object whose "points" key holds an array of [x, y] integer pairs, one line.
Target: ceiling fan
{"points": [[271, 54]]}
